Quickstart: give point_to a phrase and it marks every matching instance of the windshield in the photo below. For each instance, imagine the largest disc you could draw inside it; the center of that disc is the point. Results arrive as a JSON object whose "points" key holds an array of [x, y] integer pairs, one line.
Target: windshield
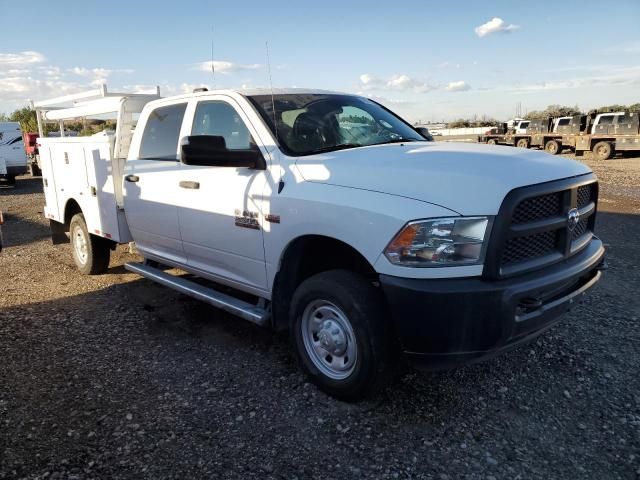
{"points": [[316, 123]]}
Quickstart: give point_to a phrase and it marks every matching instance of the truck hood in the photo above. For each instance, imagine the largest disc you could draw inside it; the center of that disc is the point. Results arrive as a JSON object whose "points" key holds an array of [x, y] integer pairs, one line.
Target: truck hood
{"points": [[469, 179]]}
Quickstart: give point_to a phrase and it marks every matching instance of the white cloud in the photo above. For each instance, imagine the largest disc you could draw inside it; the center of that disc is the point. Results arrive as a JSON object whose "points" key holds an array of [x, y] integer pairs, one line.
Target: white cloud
{"points": [[396, 82], [495, 25], [91, 72], [227, 67], [459, 86], [22, 79], [448, 64], [17, 90], [20, 59]]}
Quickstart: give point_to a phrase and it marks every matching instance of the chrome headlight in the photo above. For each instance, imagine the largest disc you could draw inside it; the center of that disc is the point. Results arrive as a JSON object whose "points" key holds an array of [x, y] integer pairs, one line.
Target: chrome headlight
{"points": [[440, 242]]}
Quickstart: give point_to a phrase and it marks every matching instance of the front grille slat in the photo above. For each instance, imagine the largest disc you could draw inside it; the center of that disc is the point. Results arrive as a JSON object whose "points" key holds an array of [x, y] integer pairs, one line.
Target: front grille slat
{"points": [[580, 229], [526, 246], [537, 208], [585, 194]]}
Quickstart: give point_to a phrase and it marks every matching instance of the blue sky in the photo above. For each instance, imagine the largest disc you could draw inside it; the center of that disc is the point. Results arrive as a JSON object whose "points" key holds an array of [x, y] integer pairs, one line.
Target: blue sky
{"points": [[425, 60]]}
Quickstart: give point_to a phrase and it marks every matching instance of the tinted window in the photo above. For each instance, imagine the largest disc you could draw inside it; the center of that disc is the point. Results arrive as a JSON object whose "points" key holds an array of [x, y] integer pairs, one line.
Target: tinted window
{"points": [[564, 121], [160, 137], [621, 119], [221, 119], [606, 120]]}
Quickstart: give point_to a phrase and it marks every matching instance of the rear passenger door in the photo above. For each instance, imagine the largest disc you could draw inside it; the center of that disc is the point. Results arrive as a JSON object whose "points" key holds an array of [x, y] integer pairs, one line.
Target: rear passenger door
{"points": [[151, 185]]}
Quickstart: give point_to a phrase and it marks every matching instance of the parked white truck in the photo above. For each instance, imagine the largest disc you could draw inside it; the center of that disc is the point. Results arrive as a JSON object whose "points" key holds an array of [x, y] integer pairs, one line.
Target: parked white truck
{"points": [[333, 218], [13, 159]]}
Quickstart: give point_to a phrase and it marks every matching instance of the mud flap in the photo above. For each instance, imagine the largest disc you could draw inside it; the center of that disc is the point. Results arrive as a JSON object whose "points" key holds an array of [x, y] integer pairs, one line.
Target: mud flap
{"points": [[58, 233]]}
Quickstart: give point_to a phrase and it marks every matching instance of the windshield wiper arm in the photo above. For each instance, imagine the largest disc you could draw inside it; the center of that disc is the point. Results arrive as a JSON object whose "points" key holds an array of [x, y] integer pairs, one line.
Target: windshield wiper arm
{"points": [[333, 148], [398, 140]]}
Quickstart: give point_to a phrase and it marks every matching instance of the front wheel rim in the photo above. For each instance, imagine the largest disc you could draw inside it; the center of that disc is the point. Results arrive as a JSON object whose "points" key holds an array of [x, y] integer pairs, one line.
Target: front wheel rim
{"points": [[329, 339], [80, 245]]}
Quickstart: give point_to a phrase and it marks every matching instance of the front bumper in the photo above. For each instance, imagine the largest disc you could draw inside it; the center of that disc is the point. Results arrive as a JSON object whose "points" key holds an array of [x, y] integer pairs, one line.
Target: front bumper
{"points": [[445, 322]]}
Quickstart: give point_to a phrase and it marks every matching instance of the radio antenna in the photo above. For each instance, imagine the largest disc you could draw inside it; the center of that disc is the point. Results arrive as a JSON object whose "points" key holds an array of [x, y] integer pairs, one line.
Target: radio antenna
{"points": [[213, 68], [273, 102]]}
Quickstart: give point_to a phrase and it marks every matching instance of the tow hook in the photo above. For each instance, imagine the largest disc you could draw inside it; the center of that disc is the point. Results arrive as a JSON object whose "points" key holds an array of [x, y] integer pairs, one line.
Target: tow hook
{"points": [[529, 304]]}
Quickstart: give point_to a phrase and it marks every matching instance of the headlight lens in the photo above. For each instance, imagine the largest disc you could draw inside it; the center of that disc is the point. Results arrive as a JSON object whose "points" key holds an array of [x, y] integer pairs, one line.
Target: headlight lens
{"points": [[439, 242]]}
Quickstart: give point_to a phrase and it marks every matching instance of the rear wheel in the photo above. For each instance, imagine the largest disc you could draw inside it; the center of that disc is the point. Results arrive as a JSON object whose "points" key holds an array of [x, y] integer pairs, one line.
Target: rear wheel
{"points": [[553, 147], [341, 335], [522, 143], [603, 150], [90, 253]]}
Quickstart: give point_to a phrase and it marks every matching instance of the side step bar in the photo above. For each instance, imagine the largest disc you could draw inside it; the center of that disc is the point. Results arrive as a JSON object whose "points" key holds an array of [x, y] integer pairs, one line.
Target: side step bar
{"points": [[242, 309]]}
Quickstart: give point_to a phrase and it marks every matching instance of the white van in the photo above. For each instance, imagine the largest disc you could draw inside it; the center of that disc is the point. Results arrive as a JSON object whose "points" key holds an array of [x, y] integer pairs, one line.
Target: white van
{"points": [[13, 158]]}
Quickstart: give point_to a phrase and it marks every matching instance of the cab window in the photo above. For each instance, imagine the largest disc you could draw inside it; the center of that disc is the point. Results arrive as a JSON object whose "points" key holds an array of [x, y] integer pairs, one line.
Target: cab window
{"points": [[606, 120], [161, 133], [221, 119]]}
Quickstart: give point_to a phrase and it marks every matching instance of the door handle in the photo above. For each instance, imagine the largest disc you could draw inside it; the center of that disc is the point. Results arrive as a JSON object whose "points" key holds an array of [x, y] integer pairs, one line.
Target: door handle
{"points": [[189, 184], [132, 178]]}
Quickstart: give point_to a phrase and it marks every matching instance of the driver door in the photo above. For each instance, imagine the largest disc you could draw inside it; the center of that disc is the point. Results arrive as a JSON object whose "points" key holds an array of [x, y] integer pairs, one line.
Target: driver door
{"points": [[220, 215]]}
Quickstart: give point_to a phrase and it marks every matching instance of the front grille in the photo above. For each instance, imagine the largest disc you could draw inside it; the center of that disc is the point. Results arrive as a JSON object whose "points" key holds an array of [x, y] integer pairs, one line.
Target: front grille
{"points": [[532, 246], [536, 208], [580, 229], [533, 227], [585, 194]]}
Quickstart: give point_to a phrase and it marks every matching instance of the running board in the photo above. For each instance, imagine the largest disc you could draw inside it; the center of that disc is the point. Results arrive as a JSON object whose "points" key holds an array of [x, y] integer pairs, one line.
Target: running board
{"points": [[225, 302]]}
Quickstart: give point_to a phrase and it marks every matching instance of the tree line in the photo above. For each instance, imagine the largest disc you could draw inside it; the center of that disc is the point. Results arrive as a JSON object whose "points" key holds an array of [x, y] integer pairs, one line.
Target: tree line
{"points": [[565, 111], [550, 111], [26, 117]]}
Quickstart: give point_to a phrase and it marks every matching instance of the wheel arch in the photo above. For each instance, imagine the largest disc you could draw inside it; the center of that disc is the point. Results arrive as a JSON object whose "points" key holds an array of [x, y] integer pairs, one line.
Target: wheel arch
{"points": [[305, 256], [71, 208]]}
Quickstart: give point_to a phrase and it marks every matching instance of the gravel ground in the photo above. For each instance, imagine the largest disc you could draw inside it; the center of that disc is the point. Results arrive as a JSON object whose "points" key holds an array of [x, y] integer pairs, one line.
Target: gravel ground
{"points": [[115, 377]]}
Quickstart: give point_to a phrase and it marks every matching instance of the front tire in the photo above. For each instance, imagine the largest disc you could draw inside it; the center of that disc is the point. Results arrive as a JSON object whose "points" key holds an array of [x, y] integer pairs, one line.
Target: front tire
{"points": [[522, 143], [90, 253], [341, 334], [492, 141]]}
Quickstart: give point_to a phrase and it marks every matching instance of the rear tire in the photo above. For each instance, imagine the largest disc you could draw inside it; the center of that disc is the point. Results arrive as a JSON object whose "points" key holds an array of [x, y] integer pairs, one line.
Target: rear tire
{"points": [[522, 143], [341, 334], [553, 147], [603, 150], [90, 253]]}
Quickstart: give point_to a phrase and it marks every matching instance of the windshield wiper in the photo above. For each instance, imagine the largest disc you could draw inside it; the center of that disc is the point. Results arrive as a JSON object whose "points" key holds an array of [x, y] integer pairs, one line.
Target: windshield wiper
{"points": [[332, 148], [398, 140]]}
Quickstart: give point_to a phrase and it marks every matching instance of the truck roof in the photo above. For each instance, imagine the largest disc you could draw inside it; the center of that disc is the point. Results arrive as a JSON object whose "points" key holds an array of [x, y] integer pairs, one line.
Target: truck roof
{"points": [[245, 92]]}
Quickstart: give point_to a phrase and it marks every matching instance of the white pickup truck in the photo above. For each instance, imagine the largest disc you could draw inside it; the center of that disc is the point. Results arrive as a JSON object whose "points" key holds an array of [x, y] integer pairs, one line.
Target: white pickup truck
{"points": [[13, 159], [332, 217]]}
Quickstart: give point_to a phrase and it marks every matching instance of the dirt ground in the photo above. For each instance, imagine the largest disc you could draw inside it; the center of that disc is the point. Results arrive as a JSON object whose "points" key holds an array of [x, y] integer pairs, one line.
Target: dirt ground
{"points": [[112, 376]]}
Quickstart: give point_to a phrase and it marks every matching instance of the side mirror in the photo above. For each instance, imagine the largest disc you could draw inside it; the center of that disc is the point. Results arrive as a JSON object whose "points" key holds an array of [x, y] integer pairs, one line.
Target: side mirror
{"points": [[212, 151], [424, 131]]}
